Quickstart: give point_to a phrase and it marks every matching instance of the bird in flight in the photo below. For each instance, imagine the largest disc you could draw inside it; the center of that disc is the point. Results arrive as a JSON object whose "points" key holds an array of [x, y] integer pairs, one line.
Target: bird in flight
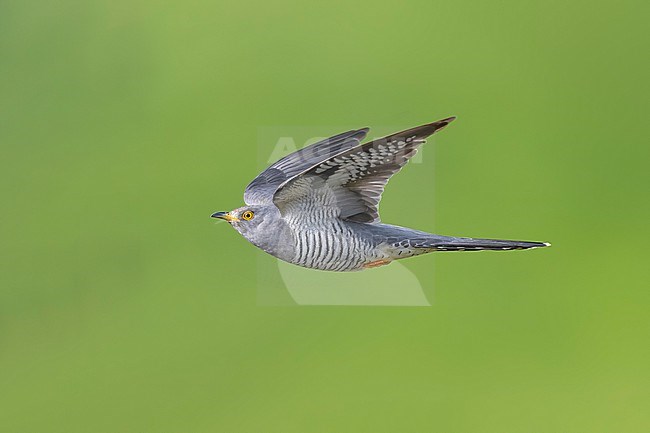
{"points": [[318, 207]]}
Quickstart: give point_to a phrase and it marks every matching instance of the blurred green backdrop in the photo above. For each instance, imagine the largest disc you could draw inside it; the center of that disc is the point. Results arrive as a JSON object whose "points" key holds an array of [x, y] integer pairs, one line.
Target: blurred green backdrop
{"points": [[124, 308]]}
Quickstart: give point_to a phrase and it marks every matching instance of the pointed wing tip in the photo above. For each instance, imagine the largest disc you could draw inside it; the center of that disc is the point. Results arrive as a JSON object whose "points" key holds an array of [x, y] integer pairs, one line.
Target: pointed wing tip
{"points": [[433, 127], [444, 122]]}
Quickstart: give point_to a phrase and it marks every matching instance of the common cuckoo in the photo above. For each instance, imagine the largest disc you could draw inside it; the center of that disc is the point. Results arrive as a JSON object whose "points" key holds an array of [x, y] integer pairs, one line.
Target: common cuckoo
{"points": [[318, 207]]}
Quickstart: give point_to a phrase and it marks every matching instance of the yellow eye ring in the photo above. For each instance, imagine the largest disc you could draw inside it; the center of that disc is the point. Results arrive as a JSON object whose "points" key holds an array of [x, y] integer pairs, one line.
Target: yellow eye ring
{"points": [[248, 215]]}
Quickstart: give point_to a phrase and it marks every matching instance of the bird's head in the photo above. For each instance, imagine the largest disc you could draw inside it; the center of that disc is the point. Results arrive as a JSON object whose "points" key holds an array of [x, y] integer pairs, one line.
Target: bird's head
{"points": [[252, 222]]}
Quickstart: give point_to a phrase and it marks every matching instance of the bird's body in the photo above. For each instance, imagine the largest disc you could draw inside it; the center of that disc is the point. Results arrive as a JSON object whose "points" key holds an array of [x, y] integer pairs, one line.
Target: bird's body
{"points": [[318, 207]]}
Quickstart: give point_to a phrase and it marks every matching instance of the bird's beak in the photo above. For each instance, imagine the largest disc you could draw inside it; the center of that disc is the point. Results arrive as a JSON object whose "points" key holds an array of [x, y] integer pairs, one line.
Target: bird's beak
{"points": [[224, 216]]}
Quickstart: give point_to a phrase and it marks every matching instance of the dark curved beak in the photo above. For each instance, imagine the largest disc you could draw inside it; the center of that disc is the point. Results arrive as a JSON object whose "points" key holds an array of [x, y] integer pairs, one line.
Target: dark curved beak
{"points": [[224, 216]]}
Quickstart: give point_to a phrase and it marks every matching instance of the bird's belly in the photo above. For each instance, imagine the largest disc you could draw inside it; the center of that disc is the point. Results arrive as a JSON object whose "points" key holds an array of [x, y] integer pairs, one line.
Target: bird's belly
{"points": [[334, 248]]}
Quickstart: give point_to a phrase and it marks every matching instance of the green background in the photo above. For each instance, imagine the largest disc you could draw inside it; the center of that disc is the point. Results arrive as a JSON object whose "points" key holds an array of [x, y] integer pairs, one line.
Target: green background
{"points": [[124, 308]]}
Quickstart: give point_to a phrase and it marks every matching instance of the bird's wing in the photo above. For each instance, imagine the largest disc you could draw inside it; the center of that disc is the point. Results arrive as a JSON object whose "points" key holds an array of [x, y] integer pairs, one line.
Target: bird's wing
{"points": [[351, 182], [264, 186]]}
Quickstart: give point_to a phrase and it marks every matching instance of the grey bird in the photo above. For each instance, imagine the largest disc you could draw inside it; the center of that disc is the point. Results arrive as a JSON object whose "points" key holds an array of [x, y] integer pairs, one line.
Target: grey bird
{"points": [[318, 207]]}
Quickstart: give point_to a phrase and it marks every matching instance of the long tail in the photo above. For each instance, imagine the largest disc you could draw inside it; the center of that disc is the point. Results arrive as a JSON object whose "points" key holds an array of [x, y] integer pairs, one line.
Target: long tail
{"points": [[448, 243]]}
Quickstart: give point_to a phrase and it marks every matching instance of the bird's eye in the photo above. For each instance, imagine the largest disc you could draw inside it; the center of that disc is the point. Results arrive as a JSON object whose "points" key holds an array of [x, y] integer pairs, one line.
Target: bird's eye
{"points": [[248, 215]]}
